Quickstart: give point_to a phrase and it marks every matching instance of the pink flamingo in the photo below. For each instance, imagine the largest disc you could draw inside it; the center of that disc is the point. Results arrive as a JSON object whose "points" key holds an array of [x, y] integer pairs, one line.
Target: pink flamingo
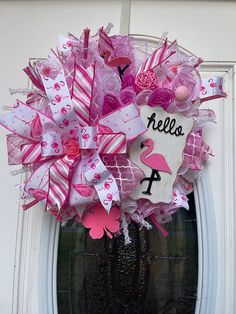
{"points": [[155, 161], [117, 62]]}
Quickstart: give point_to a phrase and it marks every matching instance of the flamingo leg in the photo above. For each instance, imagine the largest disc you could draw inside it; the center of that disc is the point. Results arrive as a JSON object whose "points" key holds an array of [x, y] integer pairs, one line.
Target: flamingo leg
{"points": [[155, 176], [122, 71]]}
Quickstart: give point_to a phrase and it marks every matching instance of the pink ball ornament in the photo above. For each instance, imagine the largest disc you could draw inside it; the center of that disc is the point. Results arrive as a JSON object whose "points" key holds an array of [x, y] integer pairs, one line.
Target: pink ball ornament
{"points": [[182, 93]]}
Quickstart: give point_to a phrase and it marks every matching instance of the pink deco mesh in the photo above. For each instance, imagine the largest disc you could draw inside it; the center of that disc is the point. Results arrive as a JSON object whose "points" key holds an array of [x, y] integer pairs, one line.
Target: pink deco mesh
{"points": [[125, 172], [14, 143], [196, 151]]}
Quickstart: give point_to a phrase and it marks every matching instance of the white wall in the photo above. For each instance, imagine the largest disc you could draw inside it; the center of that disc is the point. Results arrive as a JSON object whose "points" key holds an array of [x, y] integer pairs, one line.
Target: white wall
{"points": [[204, 27]]}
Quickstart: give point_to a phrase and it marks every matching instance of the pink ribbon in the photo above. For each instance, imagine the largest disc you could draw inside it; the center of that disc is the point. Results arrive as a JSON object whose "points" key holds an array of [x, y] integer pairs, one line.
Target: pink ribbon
{"points": [[103, 181], [61, 144]]}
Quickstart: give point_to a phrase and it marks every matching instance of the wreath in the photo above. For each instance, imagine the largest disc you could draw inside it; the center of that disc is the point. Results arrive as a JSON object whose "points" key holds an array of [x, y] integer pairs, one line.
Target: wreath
{"points": [[110, 133]]}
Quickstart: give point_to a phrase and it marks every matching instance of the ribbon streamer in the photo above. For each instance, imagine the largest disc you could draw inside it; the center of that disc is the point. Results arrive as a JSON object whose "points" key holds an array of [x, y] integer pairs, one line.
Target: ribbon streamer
{"points": [[211, 88]]}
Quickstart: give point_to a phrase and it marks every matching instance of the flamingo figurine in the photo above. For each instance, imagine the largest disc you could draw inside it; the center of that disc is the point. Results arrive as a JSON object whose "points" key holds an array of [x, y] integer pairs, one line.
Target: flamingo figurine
{"points": [[155, 161], [117, 62]]}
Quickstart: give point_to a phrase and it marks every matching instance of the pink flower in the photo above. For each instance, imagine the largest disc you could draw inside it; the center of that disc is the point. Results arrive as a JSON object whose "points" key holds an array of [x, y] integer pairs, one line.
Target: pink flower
{"points": [[72, 147], [147, 80], [98, 220], [161, 97]]}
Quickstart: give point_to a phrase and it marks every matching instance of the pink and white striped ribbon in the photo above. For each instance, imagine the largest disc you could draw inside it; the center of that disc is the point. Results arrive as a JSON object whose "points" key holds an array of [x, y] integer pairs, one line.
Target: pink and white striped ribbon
{"points": [[82, 92], [31, 153], [105, 43], [59, 180], [157, 57], [112, 144]]}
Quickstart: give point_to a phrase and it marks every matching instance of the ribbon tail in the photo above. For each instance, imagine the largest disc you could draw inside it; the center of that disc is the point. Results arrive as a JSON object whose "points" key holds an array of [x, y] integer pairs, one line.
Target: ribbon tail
{"points": [[211, 88], [103, 181], [158, 226], [32, 203], [59, 181]]}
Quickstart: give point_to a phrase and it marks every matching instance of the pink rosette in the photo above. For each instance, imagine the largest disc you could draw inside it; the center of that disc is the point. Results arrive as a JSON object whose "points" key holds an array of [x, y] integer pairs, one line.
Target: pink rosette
{"points": [[71, 147], [161, 97], [146, 80]]}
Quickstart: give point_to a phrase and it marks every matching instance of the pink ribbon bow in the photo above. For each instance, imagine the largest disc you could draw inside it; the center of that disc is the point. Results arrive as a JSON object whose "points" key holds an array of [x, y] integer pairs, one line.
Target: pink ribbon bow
{"points": [[64, 148]]}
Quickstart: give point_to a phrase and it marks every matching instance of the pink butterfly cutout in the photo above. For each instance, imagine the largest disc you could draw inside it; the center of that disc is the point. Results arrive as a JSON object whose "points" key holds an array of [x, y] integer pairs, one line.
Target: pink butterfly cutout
{"points": [[98, 220]]}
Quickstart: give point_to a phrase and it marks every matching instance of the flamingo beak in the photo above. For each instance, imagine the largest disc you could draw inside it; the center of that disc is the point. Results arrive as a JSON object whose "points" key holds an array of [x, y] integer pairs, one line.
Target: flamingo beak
{"points": [[142, 145]]}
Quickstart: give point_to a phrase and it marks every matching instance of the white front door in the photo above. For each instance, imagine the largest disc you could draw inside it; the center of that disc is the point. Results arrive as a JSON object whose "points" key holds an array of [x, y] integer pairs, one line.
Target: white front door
{"points": [[28, 240]]}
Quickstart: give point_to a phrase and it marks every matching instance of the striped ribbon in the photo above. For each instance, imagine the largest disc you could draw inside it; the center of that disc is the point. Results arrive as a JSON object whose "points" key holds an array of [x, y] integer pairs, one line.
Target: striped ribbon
{"points": [[107, 144], [59, 179], [31, 153], [112, 144], [82, 92], [105, 43], [157, 57]]}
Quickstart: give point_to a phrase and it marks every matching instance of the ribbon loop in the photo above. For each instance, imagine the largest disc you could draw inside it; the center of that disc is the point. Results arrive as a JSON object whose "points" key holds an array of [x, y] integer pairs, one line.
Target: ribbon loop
{"points": [[31, 153], [51, 144], [88, 137], [97, 175], [211, 88], [125, 120]]}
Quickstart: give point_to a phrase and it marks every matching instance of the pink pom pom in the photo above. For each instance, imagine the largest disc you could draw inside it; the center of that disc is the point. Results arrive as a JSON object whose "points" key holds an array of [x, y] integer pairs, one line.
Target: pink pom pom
{"points": [[182, 93]]}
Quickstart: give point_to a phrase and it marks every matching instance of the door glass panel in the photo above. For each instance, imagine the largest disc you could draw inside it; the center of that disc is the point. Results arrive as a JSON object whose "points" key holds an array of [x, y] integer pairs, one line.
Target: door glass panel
{"points": [[152, 275]]}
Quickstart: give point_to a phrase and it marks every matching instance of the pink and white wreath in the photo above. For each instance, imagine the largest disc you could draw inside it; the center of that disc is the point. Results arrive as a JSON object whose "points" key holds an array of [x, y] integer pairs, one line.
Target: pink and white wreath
{"points": [[73, 133]]}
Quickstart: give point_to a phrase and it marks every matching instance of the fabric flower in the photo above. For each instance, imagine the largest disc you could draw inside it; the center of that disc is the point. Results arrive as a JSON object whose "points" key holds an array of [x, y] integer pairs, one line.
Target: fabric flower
{"points": [[161, 97], [72, 147]]}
